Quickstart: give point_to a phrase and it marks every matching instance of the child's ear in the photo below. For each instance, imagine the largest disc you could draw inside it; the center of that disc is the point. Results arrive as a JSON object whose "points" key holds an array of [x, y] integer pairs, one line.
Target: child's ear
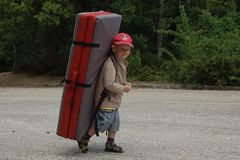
{"points": [[113, 48]]}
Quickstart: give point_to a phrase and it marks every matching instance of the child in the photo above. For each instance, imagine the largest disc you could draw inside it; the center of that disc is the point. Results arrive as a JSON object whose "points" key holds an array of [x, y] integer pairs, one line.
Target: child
{"points": [[113, 80]]}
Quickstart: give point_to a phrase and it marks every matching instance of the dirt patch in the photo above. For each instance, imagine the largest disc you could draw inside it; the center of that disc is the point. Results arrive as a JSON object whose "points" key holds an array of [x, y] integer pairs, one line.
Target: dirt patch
{"points": [[9, 79]]}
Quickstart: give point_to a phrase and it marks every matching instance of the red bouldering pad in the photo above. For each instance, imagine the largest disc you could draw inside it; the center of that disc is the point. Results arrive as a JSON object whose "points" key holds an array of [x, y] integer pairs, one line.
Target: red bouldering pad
{"points": [[91, 45]]}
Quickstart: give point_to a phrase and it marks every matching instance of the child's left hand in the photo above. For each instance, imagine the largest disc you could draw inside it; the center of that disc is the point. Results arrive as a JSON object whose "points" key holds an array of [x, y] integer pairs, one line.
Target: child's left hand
{"points": [[127, 83]]}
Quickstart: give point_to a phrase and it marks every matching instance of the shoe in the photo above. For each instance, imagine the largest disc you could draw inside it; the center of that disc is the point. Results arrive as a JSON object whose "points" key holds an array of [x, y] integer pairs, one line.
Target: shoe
{"points": [[112, 147], [83, 145]]}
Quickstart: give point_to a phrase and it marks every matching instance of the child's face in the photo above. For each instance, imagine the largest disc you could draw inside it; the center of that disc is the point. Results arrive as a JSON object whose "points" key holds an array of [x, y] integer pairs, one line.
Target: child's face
{"points": [[121, 51]]}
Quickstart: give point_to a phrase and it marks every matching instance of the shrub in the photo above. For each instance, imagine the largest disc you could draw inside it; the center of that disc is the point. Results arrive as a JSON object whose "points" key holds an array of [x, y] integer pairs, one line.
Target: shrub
{"points": [[208, 54]]}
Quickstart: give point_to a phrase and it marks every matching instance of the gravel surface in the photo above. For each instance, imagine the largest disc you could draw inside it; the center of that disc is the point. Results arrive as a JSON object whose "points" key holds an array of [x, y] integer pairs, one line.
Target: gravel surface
{"points": [[156, 124]]}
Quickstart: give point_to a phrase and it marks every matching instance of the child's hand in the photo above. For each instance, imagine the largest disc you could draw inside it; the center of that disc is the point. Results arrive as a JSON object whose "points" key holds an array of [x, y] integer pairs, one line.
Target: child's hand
{"points": [[128, 83], [127, 88]]}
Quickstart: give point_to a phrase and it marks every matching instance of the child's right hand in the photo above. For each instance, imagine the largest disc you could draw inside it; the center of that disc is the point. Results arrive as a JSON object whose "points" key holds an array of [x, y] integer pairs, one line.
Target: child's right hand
{"points": [[127, 88]]}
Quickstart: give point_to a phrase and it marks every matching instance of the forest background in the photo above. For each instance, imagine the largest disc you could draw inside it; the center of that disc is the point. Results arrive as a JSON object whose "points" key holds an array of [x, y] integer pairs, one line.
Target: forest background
{"points": [[177, 41]]}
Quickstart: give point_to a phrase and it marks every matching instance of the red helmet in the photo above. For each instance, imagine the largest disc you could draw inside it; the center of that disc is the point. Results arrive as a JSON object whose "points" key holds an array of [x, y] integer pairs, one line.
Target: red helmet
{"points": [[122, 38]]}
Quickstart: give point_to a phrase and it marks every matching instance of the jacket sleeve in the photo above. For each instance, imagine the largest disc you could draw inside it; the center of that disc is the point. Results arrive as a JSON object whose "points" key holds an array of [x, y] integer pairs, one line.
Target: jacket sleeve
{"points": [[109, 79]]}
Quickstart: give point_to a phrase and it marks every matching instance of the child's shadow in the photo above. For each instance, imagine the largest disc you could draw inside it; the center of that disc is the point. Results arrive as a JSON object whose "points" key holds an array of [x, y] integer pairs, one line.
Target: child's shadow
{"points": [[74, 151]]}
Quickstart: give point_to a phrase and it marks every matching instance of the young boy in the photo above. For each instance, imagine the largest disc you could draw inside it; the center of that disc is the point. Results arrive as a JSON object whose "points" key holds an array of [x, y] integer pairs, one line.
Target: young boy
{"points": [[113, 80]]}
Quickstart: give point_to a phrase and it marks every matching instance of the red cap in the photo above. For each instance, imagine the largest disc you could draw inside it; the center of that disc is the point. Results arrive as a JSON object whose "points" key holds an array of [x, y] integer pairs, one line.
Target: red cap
{"points": [[122, 38]]}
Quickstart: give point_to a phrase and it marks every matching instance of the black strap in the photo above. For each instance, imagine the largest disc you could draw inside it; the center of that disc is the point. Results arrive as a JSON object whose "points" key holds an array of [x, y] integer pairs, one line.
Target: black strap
{"points": [[114, 61], [84, 85], [104, 94], [85, 44], [102, 97], [64, 81]]}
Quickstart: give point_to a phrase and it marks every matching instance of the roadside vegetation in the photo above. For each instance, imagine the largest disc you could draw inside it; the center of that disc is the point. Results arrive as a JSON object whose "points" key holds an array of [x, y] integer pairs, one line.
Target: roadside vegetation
{"points": [[187, 42]]}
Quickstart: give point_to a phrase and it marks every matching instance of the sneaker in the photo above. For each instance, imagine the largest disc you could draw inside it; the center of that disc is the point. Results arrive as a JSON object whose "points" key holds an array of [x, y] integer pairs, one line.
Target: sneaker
{"points": [[83, 145], [112, 147]]}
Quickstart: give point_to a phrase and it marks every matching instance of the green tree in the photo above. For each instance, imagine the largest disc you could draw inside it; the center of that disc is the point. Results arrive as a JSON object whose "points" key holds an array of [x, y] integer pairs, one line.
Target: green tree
{"points": [[188, 41], [34, 34], [208, 52]]}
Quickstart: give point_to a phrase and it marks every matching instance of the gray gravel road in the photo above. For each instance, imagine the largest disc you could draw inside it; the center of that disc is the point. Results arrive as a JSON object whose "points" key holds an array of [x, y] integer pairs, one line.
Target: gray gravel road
{"points": [[155, 124]]}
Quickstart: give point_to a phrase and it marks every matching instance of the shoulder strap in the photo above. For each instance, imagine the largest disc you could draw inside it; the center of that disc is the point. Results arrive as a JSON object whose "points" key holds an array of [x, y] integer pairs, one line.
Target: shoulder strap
{"points": [[104, 94], [102, 97], [114, 61]]}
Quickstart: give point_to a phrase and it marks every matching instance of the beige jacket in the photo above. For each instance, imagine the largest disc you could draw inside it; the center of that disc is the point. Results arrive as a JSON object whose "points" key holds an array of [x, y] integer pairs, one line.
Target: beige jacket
{"points": [[107, 81]]}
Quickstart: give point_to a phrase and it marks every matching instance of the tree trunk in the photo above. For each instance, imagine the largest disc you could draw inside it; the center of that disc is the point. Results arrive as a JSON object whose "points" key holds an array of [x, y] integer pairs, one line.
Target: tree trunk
{"points": [[160, 26], [14, 57]]}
